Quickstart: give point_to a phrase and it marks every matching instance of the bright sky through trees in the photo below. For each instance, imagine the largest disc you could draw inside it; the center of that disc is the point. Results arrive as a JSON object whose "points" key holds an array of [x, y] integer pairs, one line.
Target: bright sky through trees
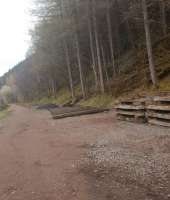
{"points": [[14, 27]]}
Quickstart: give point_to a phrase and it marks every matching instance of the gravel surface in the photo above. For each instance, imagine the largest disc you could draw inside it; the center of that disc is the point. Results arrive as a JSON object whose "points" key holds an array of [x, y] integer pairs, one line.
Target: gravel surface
{"points": [[130, 162], [91, 157]]}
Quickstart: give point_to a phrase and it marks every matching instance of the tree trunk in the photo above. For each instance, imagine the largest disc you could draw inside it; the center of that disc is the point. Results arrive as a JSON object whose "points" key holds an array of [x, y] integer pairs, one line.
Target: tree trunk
{"points": [[80, 67], [149, 43], [78, 55], [98, 48], [67, 53], [110, 37], [69, 71], [92, 48], [105, 68], [163, 16], [117, 32]]}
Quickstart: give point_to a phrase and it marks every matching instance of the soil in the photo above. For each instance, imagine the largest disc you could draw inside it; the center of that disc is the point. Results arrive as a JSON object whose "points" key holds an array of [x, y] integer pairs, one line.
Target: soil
{"points": [[82, 158]]}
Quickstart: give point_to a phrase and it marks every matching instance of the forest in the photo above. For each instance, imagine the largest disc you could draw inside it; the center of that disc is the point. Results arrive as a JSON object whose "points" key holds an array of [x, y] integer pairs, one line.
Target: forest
{"points": [[94, 47]]}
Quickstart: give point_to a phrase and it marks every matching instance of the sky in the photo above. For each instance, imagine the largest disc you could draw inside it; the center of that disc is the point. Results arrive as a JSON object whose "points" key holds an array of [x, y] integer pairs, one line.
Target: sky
{"points": [[15, 22]]}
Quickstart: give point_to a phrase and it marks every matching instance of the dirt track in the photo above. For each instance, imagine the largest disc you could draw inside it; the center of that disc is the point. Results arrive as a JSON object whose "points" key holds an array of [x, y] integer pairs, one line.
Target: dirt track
{"points": [[82, 158]]}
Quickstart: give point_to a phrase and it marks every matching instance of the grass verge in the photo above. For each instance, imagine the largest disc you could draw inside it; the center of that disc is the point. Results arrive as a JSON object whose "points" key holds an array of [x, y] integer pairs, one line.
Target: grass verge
{"points": [[99, 101], [4, 113]]}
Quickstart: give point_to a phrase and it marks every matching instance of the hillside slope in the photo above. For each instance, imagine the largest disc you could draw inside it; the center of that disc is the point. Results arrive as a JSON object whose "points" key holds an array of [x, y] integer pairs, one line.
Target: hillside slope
{"points": [[135, 79]]}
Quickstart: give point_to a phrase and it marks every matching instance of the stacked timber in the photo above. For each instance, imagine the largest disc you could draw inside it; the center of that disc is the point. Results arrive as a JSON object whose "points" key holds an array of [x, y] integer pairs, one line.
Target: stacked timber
{"points": [[158, 111], [65, 112], [131, 110]]}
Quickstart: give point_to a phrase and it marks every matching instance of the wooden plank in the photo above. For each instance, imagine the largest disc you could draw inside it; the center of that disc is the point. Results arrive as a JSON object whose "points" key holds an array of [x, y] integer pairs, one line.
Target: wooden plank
{"points": [[158, 115], [131, 113], [126, 102], [78, 113], [130, 100], [130, 107], [159, 122], [162, 99], [132, 119], [63, 110], [158, 107], [136, 102]]}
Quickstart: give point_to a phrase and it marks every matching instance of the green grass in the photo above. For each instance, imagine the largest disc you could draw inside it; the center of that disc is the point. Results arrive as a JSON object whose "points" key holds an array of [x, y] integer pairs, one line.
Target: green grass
{"points": [[165, 85], [99, 101], [4, 113], [63, 96]]}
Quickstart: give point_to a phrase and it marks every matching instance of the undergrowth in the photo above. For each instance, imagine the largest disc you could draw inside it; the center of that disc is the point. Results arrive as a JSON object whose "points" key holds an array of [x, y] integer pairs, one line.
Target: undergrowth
{"points": [[4, 113]]}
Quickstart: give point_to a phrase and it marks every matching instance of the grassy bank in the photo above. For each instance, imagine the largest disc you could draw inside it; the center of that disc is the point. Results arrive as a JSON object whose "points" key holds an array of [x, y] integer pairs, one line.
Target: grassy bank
{"points": [[106, 100], [99, 101], [63, 96]]}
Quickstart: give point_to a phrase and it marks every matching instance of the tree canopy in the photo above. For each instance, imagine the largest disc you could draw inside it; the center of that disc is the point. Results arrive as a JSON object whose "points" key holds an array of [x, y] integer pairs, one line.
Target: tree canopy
{"points": [[91, 43]]}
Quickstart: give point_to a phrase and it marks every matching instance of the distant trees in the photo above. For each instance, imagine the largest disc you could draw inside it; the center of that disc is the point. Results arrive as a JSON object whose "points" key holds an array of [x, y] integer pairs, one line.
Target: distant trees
{"points": [[5, 95], [82, 43]]}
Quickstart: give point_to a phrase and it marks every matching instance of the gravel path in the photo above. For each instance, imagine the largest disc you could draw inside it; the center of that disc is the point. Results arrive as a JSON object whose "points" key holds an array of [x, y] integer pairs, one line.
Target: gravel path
{"points": [[82, 158]]}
